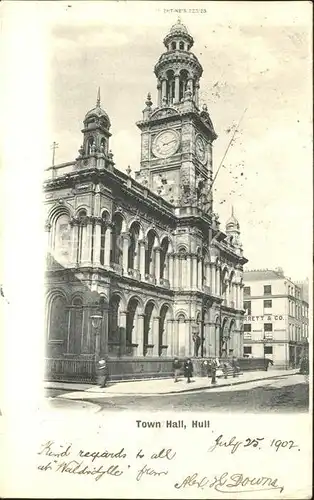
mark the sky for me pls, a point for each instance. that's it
(255, 56)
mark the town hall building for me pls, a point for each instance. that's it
(138, 269)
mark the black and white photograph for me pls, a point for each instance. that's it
(175, 207)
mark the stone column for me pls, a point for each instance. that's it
(107, 246)
(170, 273)
(122, 329)
(188, 338)
(104, 334)
(139, 334)
(141, 247)
(176, 88)
(170, 337)
(188, 271)
(137, 256)
(176, 271)
(197, 89)
(74, 242)
(163, 89)
(97, 241)
(157, 264)
(207, 340)
(190, 84)
(200, 273)
(159, 94)
(218, 281)
(212, 270)
(194, 272)
(86, 243)
(125, 252)
(241, 305)
(155, 335)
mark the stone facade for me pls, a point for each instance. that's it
(146, 255)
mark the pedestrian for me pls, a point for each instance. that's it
(188, 370)
(207, 368)
(235, 367)
(213, 370)
(103, 372)
(176, 365)
(197, 343)
(225, 370)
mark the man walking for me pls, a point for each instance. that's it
(188, 370)
(176, 365)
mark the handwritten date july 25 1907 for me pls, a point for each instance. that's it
(233, 444)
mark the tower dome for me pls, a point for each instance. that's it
(178, 27)
(98, 113)
(178, 33)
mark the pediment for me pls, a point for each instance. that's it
(163, 113)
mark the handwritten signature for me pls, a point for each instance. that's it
(226, 482)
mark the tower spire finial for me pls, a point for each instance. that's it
(98, 97)
(232, 211)
(179, 20)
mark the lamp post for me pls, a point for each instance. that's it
(96, 320)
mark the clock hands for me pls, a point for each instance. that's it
(169, 142)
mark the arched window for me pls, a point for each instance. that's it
(103, 145)
(173, 46)
(62, 238)
(82, 220)
(90, 143)
(58, 319)
(181, 45)
(76, 326)
(103, 237)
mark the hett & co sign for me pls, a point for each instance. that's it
(267, 317)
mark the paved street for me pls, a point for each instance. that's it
(284, 394)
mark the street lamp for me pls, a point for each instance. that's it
(96, 320)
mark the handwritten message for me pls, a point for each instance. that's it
(161, 463)
(65, 458)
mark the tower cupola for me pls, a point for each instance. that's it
(233, 229)
(96, 131)
(178, 69)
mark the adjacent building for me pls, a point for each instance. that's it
(276, 322)
(138, 267)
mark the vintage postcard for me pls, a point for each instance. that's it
(156, 249)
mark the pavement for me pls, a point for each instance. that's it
(153, 387)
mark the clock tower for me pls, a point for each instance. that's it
(176, 135)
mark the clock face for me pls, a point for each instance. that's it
(200, 149)
(165, 144)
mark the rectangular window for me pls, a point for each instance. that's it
(247, 290)
(247, 307)
(267, 289)
(247, 349)
(247, 328)
(268, 349)
(268, 304)
(268, 327)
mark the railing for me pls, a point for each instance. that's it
(81, 370)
